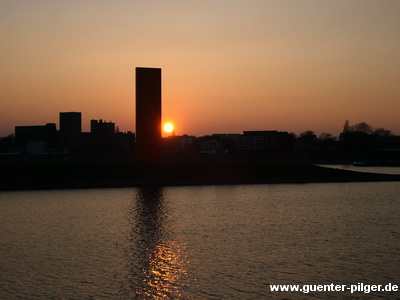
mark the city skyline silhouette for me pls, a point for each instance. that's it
(360, 142)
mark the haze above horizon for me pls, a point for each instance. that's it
(227, 66)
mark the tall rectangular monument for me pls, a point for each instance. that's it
(148, 114)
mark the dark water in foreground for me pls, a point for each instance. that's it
(209, 242)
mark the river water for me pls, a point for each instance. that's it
(210, 242)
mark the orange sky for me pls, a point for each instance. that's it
(228, 65)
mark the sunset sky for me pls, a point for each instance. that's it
(227, 65)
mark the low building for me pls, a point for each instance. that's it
(100, 128)
(183, 143)
(266, 140)
(36, 139)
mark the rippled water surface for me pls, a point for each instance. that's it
(198, 242)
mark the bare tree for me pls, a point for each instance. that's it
(326, 137)
(383, 132)
(362, 128)
(307, 133)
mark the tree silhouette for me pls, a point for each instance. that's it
(346, 127)
(7, 143)
(326, 137)
(383, 132)
(308, 133)
(362, 127)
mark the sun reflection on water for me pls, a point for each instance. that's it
(157, 262)
(165, 273)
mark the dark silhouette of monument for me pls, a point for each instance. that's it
(148, 114)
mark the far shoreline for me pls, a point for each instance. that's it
(50, 175)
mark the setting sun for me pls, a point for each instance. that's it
(168, 127)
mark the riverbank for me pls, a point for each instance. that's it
(34, 175)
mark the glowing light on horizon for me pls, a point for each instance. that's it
(168, 127)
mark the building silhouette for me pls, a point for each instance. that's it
(70, 130)
(148, 114)
(36, 139)
(102, 128)
(102, 138)
(266, 140)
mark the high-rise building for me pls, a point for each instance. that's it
(148, 114)
(70, 130)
